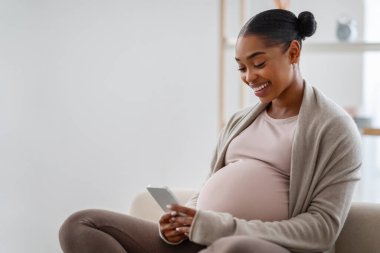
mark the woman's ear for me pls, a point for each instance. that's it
(294, 51)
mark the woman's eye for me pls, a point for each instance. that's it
(260, 65)
(241, 69)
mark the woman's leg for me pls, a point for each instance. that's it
(243, 244)
(100, 231)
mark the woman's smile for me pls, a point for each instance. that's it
(260, 89)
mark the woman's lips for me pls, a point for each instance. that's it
(260, 90)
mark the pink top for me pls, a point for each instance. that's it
(254, 184)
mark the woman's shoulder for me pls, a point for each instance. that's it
(320, 110)
(329, 108)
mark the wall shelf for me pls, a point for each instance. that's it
(341, 47)
(371, 131)
(336, 47)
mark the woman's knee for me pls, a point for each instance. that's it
(71, 227)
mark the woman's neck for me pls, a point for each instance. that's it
(290, 102)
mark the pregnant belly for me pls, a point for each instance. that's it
(247, 190)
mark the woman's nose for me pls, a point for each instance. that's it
(250, 76)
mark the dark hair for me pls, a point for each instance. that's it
(279, 26)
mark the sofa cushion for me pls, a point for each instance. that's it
(360, 233)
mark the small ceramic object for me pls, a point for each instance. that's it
(346, 29)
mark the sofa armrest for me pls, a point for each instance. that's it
(360, 232)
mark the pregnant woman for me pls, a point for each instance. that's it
(282, 176)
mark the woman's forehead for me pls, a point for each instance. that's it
(251, 45)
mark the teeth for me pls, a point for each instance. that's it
(261, 87)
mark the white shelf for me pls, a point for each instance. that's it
(336, 47)
(341, 47)
(371, 131)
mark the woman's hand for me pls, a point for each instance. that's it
(175, 225)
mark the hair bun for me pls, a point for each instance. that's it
(306, 24)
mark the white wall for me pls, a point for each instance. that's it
(97, 100)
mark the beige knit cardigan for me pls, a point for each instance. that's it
(325, 162)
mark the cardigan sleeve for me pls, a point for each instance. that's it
(337, 164)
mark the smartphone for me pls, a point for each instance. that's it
(162, 195)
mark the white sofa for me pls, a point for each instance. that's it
(360, 234)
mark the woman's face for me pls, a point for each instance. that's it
(267, 70)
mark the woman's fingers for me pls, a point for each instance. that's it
(176, 238)
(179, 222)
(165, 218)
(169, 226)
(173, 233)
(175, 225)
(182, 210)
(183, 230)
(180, 231)
(184, 220)
(170, 232)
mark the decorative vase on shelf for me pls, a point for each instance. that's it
(346, 29)
(282, 4)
